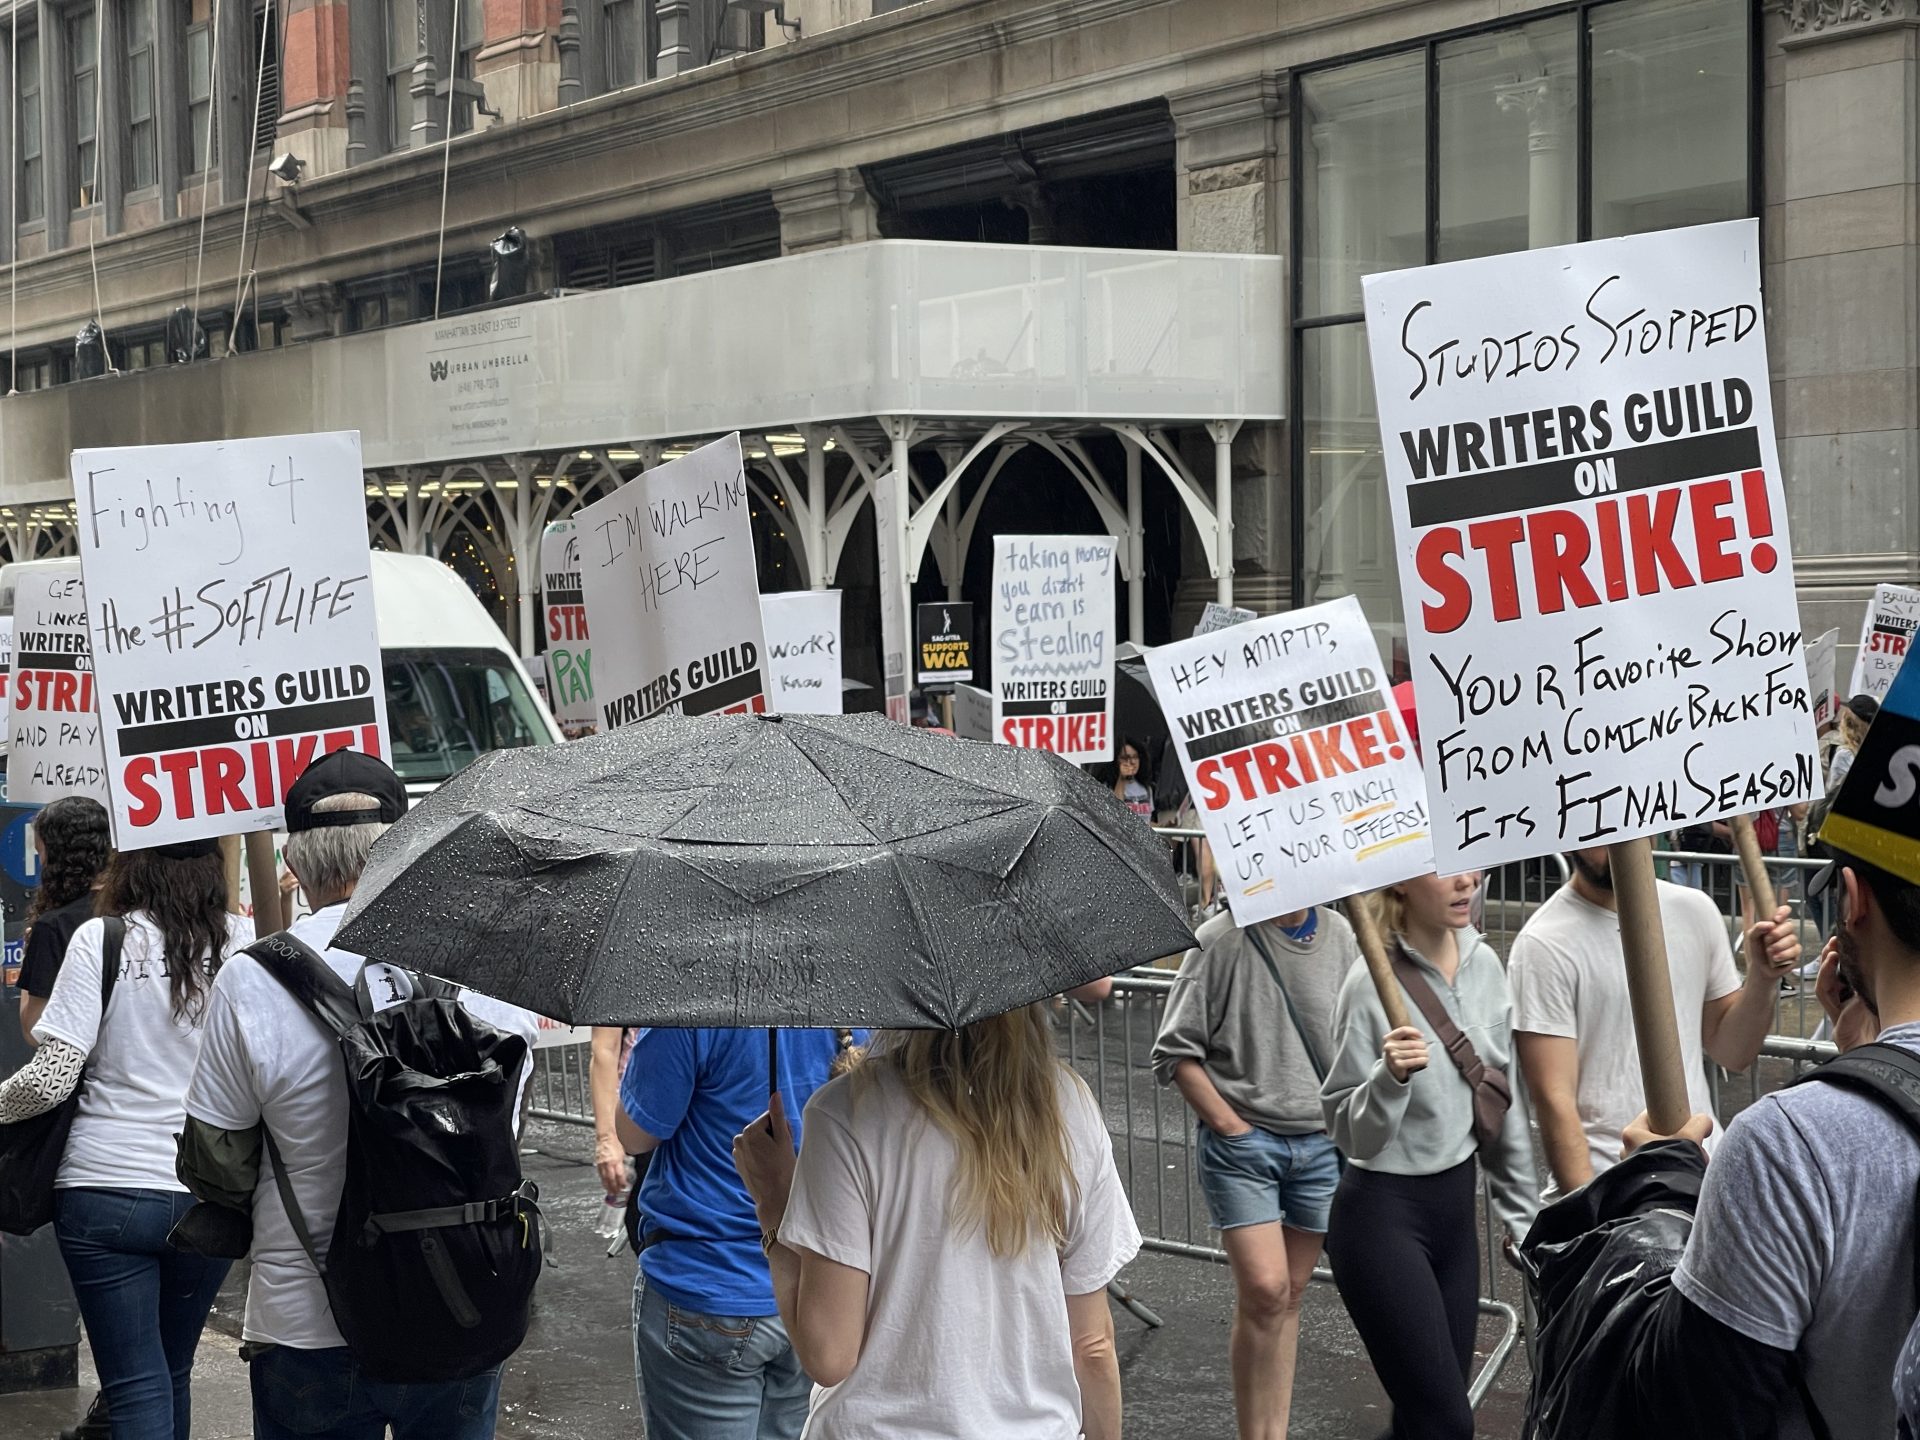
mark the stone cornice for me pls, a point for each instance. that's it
(1811, 21)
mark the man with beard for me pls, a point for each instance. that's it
(1796, 1287)
(1573, 1022)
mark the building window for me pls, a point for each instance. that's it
(202, 140)
(26, 119)
(472, 35)
(34, 374)
(403, 48)
(622, 43)
(83, 62)
(143, 137)
(146, 354)
(266, 56)
(1532, 143)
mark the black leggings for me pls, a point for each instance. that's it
(1406, 1260)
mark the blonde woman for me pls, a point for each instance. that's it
(1402, 1238)
(941, 1248)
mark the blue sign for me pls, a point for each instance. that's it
(17, 856)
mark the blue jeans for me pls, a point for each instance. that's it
(144, 1303)
(323, 1395)
(715, 1377)
(1259, 1177)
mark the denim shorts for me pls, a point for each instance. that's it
(1260, 1177)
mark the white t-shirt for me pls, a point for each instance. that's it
(1569, 978)
(959, 1342)
(132, 1103)
(265, 1058)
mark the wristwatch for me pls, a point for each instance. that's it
(769, 1239)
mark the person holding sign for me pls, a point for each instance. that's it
(1410, 1107)
(1247, 1037)
(1575, 1024)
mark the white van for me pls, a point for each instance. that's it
(455, 689)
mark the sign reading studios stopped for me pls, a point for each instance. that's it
(1590, 522)
(53, 726)
(569, 652)
(1053, 642)
(672, 595)
(231, 605)
(1306, 785)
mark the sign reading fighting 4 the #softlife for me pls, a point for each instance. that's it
(1053, 640)
(1592, 541)
(230, 599)
(672, 594)
(1307, 787)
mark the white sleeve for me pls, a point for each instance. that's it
(1711, 928)
(224, 1092)
(829, 1209)
(1546, 989)
(73, 1009)
(1101, 1235)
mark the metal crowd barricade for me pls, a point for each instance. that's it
(1152, 1133)
(561, 1089)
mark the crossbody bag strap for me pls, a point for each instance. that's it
(283, 1182)
(1286, 997)
(1452, 1039)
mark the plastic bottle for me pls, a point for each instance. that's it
(613, 1210)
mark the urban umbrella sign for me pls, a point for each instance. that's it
(1588, 508)
(231, 602)
(672, 595)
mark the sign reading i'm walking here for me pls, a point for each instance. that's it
(1592, 541)
(672, 594)
(1307, 786)
(230, 597)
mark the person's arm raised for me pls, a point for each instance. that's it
(1733, 1027)
(1551, 1065)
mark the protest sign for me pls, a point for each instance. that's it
(1220, 617)
(229, 591)
(1885, 638)
(1592, 541)
(6, 671)
(569, 652)
(53, 726)
(1821, 653)
(1876, 815)
(1053, 640)
(972, 713)
(1293, 749)
(672, 594)
(803, 651)
(943, 634)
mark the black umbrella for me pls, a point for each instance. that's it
(780, 870)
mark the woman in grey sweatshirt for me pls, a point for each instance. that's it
(1402, 1238)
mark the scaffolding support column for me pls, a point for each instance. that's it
(819, 567)
(1136, 550)
(1222, 432)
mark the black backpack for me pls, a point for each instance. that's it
(436, 1246)
(1891, 1075)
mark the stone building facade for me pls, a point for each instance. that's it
(637, 140)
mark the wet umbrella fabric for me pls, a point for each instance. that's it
(748, 871)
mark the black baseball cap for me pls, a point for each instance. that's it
(1865, 708)
(345, 772)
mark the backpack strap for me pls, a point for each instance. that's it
(1891, 1075)
(284, 1184)
(1286, 997)
(111, 944)
(306, 977)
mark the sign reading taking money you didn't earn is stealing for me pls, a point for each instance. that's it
(230, 596)
(1591, 528)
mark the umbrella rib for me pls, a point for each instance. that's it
(943, 973)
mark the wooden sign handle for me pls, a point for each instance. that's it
(1650, 986)
(1754, 866)
(264, 880)
(1373, 948)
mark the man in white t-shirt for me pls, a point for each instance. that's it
(266, 1060)
(1573, 1020)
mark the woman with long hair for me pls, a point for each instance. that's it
(942, 1246)
(73, 839)
(1130, 778)
(1400, 1106)
(116, 1196)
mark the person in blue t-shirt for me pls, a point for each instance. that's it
(712, 1358)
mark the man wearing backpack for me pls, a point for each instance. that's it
(1797, 1286)
(270, 1072)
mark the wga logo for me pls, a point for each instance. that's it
(436, 370)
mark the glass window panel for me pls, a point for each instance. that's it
(402, 35)
(1349, 530)
(199, 63)
(139, 24)
(1508, 128)
(473, 24)
(1363, 177)
(1663, 70)
(622, 48)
